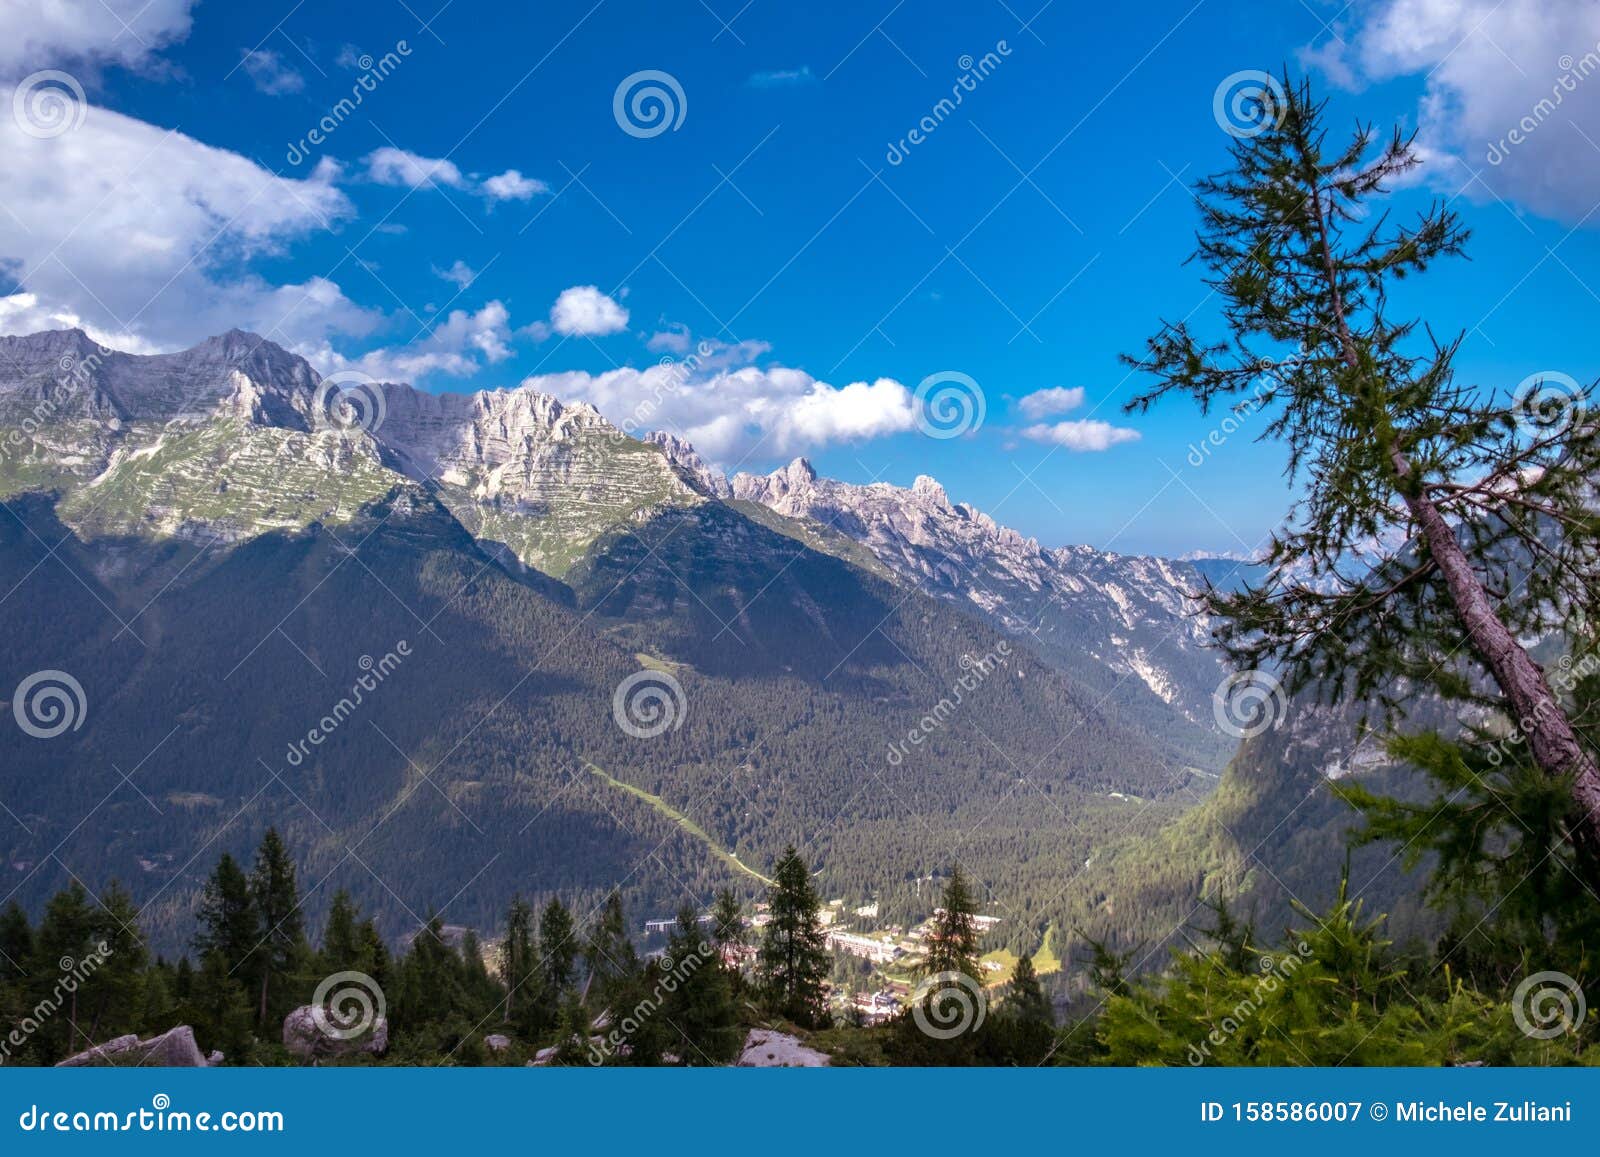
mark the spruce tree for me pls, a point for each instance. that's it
(609, 952)
(114, 995)
(1028, 1019)
(953, 938)
(277, 902)
(66, 933)
(517, 965)
(16, 943)
(794, 962)
(227, 924)
(558, 947)
(342, 950)
(700, 1004)
(1490, 500)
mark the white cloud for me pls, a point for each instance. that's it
(583, 311)
(25, 313)
(460, 274)
(271, 75)
(458, 346)
(391, 166)
(1512, 92)
(511, 185)
(146, 235)
(1082, 434)
(1056, 400)
(782, 77)
(731, 413)
(673, 338)
(63, 33)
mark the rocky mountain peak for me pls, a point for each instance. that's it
(689, 463)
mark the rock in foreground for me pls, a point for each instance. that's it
(175, 1048)
(764, 1049)
(305, 1039)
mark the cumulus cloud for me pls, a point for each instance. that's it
(583, 311)
(147, 236)
(64, 33)
(392, 166)
(511, 185)
(1512, 92)
(730, 413)
(458, 346)
(1057, 400)
(460, 274)
(672, 338)
(271, 75)
(1081, 434)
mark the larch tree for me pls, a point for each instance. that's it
(1439, 526)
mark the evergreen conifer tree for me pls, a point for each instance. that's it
(794, 963)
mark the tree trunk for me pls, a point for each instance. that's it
(1539, 716)
(1554, 744)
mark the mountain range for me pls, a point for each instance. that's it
(219, 546)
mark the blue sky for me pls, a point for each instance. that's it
(1036, 233)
